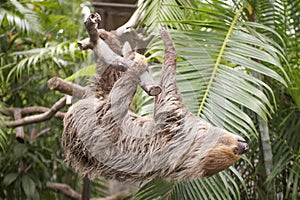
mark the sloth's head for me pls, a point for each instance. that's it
(224, 150)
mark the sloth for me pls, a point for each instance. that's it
(102, 137)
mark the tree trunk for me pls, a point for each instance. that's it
(86, 190)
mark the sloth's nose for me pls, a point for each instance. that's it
(242, 146)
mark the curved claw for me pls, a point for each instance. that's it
(94, 18)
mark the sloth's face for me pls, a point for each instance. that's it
(227, 150)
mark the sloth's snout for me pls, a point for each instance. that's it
(242, 146)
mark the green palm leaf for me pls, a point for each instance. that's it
(85, 71)
(216, 66)
(221, 79)
(155, 13)
(56, 56)
(283, 17)
(286, 160)
(3, 137)
(221, 186)
(155, 189)
(22, 17)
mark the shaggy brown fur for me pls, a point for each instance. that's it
(103, 138)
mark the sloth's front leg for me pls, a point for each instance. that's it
(123, 91)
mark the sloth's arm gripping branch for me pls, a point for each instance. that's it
(103, 52)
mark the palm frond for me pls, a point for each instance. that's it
(156, 13)
(85, 71)
(100, 188)
(155, 189)
(215, 66)
(3, 138)
(3, 130)
(221, 186)
(60, 55)
(22, 17)
(283, 17)
(286, 144)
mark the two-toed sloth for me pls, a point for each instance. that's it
(103, 138)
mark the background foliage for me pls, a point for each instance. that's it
(238, 67)
(37, 42)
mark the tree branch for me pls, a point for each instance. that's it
(103, 52)
(34, 134)
(66, 87)
(86, 189)
(70, 192)
(30, 110)
(39, 117)
(65, 189)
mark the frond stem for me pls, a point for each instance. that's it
(219, 59)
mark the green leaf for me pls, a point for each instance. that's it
(20, 150)
(85, 71)
(220, 64)
(3, 138)
(9, 178)
(217, 68)
(218, 60)
(155, 189)
(155, 13)
(22, 17)
(62, 55)
(28, 186)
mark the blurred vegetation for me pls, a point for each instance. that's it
(37, 42)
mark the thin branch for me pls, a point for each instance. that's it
(28, 168)
(31, 110)
(70, 192)
(39, 117)
(66, 87)
(34, 135)
(65, 189)
(148, 84)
